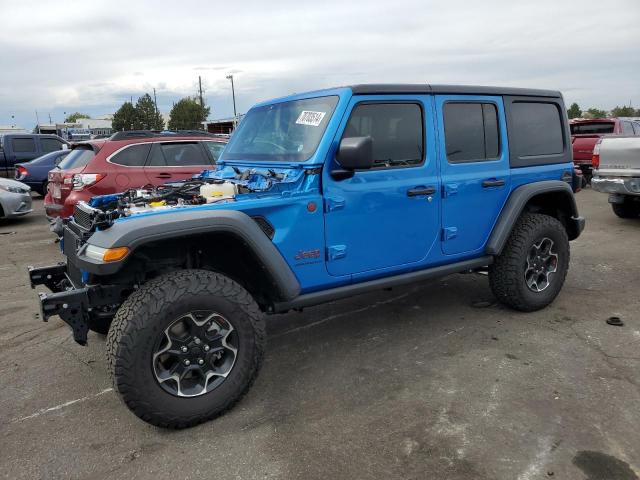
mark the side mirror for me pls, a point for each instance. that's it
(65, 146)
(355, 153)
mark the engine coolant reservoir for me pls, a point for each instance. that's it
(213, 191)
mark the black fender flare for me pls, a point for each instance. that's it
(516, 204)
(135, 232)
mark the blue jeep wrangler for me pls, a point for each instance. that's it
(317, 197)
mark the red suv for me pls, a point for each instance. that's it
(127, 160)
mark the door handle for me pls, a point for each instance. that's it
(494, 182)
(414, 192)
(163, 175)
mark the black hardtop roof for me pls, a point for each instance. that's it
(425, 88)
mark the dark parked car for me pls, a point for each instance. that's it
(24, 147)
(35, 173)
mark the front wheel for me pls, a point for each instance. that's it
(185, 347)
(532, 267)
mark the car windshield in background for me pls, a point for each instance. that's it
(289, 131)
(78, 157)
(592, 127)
(46, 158)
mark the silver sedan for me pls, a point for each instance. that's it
(15, 198)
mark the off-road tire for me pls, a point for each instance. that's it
(147, 313)
(628, 209)
(507, 273)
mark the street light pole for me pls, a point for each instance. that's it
(233, 93)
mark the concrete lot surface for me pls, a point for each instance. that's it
(430, 381)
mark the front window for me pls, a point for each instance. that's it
(289, 131)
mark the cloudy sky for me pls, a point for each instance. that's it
(62, 56)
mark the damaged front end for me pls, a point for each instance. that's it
(80, 304)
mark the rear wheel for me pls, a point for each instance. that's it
(532, 267)
(185, 347)
(627, 209)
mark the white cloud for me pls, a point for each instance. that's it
(92, 56)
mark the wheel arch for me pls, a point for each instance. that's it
(551, 197)
(225, 241)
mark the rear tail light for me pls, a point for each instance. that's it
(595, 159)
(21, 172)
(83, 180)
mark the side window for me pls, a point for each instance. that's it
(627, 128)
(133, 156)
(471, 131)
(535, 129)
(636, 127)
(22, 145)
(183, 154)
(50, 145)
(215, 149)
(396, 129)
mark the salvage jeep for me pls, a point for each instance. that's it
(317, 197)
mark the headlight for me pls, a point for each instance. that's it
(106, 254)
(12, 189)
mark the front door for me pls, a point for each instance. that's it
(385, 218)
(474, 161)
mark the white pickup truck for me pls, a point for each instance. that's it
(616, 163)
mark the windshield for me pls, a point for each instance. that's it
(49, 157)
(79, 157)
(289, 131)
(592, 127)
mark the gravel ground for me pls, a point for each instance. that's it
(431, 380)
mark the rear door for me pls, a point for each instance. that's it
(24, 149)
(173, 161)
(475, 170)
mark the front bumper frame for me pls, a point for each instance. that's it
(72, 304)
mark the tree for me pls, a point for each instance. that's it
(124, 118)
(73, 117)
(596, 113)
(187, 115)
(574, 111)
(147, 117)
(623, 112)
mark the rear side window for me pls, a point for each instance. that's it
(627, 128)
(396, 130)
(78, 157)
(21, 145)
(50, 145)
(215, 149)
(536, 129)
(591, 128)
(183, 154)
(132, 156)
(471, 131)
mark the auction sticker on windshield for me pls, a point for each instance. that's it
(310, 118)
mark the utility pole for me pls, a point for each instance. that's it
(49, 119)
(38, 121)
(200, 88)
(233, 93)
(155, 102)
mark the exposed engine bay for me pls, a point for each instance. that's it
(101, 211)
